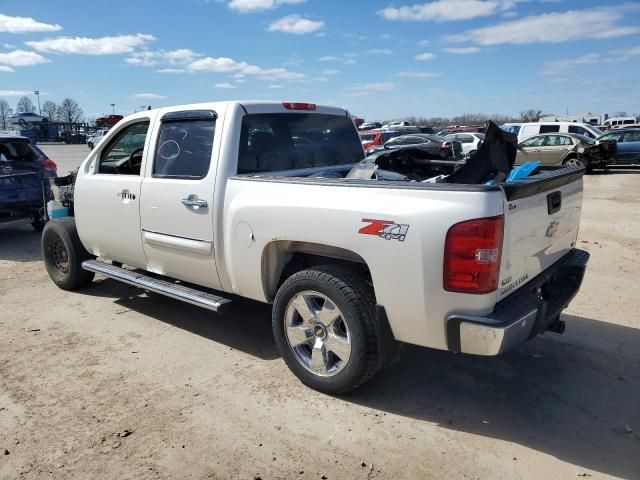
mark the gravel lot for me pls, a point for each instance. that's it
(110, 379)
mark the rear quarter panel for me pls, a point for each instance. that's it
(407, 274)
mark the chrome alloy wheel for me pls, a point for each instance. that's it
(317, 333)
(574, 162)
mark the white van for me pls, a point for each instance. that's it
(530, 129)
(620, 122)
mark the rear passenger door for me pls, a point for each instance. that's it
(176, 206)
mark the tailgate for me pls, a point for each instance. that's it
(542, 217)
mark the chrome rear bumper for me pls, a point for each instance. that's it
(524, 314)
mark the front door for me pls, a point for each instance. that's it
(529, 150)
(176, 206)
(108, 197)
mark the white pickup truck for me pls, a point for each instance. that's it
(256, 199)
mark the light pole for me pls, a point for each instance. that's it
(113, 108)
(37, 94)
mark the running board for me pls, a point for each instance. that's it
(173, 290)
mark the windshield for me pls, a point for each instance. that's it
(585, 139)
(596, 130)
(286, 141)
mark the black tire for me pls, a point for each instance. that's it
(355, 299)
(63, 254)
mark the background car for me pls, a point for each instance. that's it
(94, 138)
(26, 117)
(108, 121)
(628, 141)
(23, 169)
(470, 141)
(440, 146)
(369, 125)
(377, 137)
(566, 149)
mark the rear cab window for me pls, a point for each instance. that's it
(286, 141)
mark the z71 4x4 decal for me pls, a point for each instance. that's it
(387, 229)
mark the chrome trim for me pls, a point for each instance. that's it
(486, 339)
(172, 290)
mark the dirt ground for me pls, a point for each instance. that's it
(110, 381)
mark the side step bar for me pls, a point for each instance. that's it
(173, 290)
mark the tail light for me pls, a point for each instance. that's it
(49, 164)
(472, 254)
(299, 106)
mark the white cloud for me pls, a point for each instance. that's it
(171, 70)
(296, 25)
(152, 58)
(228, 65)
(556, 27)
(330, 71)
(8, 45)
(25, 24)
(248, 6)
(462, 50)
(14, 93)
(224, 85)
(424, 43)
(275, 86)
(329, 58)
(425, 56)
(92, 46)
(379, 51)
(445, 10)
(362, 89)
(564, 66)
(22, 58)
(148, 96)
(4, 68)
(411, 74)
(624, 55)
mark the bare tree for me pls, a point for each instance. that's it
(25, 105)
(50, 110)
(69, 111)
(621, 114)
(531, 115)
(5, 112)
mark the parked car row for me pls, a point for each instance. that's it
(558, 143)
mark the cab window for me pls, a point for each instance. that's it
(123, 155)
(184, 146)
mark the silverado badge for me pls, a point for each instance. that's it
(552, 229)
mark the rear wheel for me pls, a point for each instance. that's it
(573, 162)
(63, 254)
(325, 328)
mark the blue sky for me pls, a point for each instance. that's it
(381, 59)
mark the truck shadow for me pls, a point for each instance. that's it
(244, 325)
(573, 397)
(19, 243)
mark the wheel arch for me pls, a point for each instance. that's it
(283, 258)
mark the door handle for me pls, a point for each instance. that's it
(194, 202)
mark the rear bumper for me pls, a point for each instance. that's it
(522, 315)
